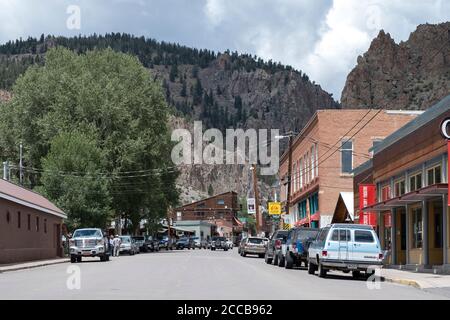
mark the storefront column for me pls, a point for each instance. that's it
(425, 240)
(394, 236)
(408, 236)
(445, 229)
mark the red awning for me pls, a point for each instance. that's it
(237, 222)
(305, 221)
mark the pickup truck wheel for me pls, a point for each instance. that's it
(102, 258)
(226, 249)
(289, 263)
(311, 268)
(321, 271)
(356, 274)
(73, 259)
(79, 259)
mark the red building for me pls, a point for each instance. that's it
(30, 225)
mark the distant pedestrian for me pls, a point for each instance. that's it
(111, 245)
(117, 243)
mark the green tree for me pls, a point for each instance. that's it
(82, 191)
(210, 191)
(112, 97)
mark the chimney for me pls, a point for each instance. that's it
(5, 170)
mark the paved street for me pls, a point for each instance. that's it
(199, 274)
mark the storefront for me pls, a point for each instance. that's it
(410, 175)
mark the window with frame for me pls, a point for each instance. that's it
(434, 175)
(341, 235)
(297, 175)
(29, 222)
(294, 181)
(316, 148)
(37, 224)
(415, 182)
(385, 193)
(364, 236)
(301, 173)
(347, 156)
(399, 188)
(19, 220)
(313, 163)
(417, 227)
(305, 161)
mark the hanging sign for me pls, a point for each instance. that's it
(251, 208)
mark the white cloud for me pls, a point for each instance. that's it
(322, 38)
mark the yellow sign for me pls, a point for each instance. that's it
(274, 207)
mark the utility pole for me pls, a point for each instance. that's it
(255, 189)
(5, 170)
(288, 196)
(21, 164)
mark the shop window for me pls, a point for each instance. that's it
(45, 225)
(316, 148)
(220, 202)
(313, 162)
(434, 175)
(415, 182)
(347, 156)
(29, 222)
(37, 224)
(417, 228)
(399, 188)
(19, 220)
(385, 193)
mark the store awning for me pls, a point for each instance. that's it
(344, 208)
(435, 190)
(305, 221)
(179, 229)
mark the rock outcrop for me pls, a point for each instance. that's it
(413, 74)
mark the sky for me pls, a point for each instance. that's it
(323, 38)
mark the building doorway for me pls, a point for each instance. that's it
(401, 236)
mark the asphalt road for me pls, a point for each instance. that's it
(191, 274)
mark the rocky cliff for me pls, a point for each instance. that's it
(413, 74)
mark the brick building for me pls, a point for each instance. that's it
(220, 210)
(30, 225)
(324, 154)
(409, 179)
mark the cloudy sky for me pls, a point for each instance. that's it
(321, 37)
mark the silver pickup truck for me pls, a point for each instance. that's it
(88, 242)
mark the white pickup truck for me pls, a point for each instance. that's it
(88, 242)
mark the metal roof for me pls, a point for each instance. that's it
(421, 120)
(25, 197)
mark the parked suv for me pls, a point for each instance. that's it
(88, 243)
(219, 243)
(274, 246)
(152, 243)
(297, 244)
(254, 245)
(345, 247)
(183, 243)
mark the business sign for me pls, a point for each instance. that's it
(388, 220)
(274, 208)
(251, 208)
(367, 197)
(445, 132)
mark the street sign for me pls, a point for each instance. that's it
(251, 208)
(274, 208)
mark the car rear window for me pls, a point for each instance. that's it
(307, 234)
(281, 234)
(255, 240)
(340, 235)
(364, 236)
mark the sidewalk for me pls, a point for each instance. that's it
(31, 264)
(418, 280)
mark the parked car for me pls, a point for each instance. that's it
(128, 245)
(152, 243)
(230, 244)
(204, 244)
(183, 243)
(140, 243)
(297, 244)
(89, 242)
(254, 245)
(345, 247)
(219, 243)
(274, 246)
(167, 243)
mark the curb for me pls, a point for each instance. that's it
(24, 267)
(411, 283)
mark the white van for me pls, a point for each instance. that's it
(345, 247)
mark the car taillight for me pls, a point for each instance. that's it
(324, 253)
(277, 243)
